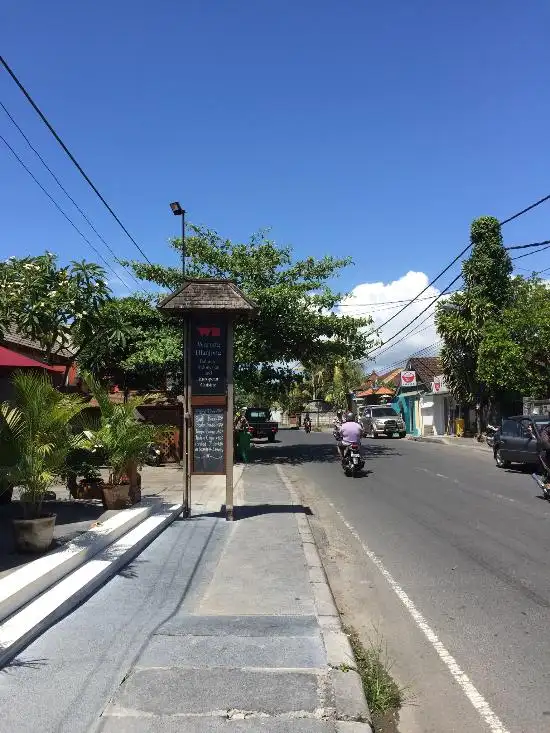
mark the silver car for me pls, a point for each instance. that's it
(382, 420)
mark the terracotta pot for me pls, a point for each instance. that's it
(33, 535)
(116, 497)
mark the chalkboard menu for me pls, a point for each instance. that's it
(209, 444)
(209, 356)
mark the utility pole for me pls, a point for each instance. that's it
(177, 210)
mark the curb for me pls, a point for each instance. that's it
(48, 607)
(480, 447)
(351, 707)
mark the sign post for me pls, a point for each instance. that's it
(209, 308)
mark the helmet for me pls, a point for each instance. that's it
(350, 417)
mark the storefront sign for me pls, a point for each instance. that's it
(439, 385)
(208, 356)
(408, 379)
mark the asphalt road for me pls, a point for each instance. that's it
(469, 545)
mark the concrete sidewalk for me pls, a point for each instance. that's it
(468, 443)
(257, 644)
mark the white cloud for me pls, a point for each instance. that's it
(372, 299)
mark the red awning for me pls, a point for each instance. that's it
(13, 360)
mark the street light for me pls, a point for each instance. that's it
(178, 211)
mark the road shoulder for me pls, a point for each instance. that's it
(367, 604)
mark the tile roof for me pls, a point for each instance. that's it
(383, 391)
(208, 295)
(426, 368)
(11, 336)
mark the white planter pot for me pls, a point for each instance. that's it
(33, 535)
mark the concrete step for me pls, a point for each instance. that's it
(219, 725)
(216, 691)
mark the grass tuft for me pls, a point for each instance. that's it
(373, 664)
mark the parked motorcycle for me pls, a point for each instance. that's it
(542, 479)
(352, 462)
(491, 435)
(153, 457)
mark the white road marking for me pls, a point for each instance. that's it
(474, 696)
(440, 475)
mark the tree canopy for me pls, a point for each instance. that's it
(461, 319)
(57, 306)
(296, 321)
(514, 352)
(147, 352)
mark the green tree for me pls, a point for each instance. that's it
(515, 349)
(56, 306)
(146, 354)
(461, 319)
(295, 321)
(346, 377)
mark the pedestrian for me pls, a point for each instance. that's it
(242, 438)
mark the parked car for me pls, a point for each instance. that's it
(514, 443)
(260, 424)
(382, 420)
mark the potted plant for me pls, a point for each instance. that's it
(124, 438)
(83, 463)
(35, 438)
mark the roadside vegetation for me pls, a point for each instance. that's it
(384, 696)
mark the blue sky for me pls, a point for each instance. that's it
(372, 129)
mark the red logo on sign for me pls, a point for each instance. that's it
(213, 331)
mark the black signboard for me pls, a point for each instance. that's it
(209, 443)
(208, 356)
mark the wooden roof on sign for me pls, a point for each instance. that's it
(208, 295)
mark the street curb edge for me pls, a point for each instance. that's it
(350, 702)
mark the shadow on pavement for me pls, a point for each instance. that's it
(300, 453)
(257, 510)
(18, 662)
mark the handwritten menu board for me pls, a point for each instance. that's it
(209, 356)
(209, 444)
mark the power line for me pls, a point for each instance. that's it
(406, 336)
(56, 179)
(72, 158)
(376, 355)
(62, 212)
(434, 347)
(528, 254)
(524, 211)
(527, 246)
(386, 302)
(443, 292)
(460, 254)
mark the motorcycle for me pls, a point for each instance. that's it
(543, 481)
(307, 426)
(153, 457)
(491, 435)
(352, 462)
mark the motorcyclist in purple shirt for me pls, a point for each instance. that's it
(350, 432)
